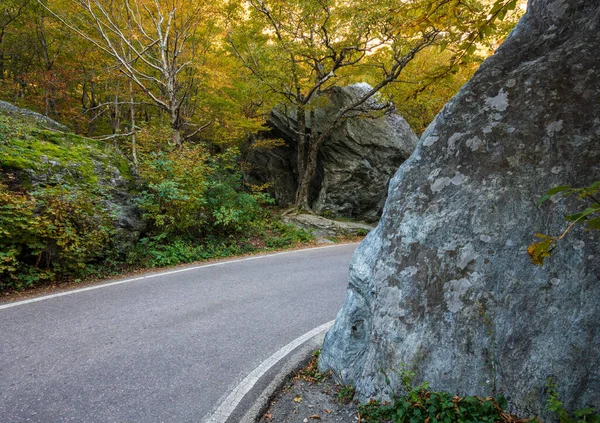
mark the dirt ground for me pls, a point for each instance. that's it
(311, 397)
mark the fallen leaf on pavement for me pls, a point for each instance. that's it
(315, 417)
(298, 399)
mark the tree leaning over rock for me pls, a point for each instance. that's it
(304, 48)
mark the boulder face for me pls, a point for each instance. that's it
(444, 285)
(355, 164)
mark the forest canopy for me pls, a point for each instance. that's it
(217, 67)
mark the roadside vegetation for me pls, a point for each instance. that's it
(311, 389)
(59, 208)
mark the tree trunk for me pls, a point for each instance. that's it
(302, 201)
(177, 137)
(301, 140)
(132, 118)
(2, 54)
(176, 126)
(115, 115)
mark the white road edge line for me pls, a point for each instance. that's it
(156, 275)
(228, 405)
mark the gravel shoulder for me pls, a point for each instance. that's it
(310, 396)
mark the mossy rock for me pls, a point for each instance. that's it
(45, 157)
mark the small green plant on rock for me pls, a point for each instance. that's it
(346, 393)
(584, 415)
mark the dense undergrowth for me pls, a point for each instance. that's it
(420, 404)
(62, 198)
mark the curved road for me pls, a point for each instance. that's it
(163, 348)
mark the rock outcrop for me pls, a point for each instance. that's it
(444, 285)
(12, 110)
(41, 158)
(355, 164)
(323, 228)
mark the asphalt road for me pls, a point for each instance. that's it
(164, 349)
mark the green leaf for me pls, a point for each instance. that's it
(584, 412)
(594, 223)
(502, 14)
(558, 189)
(581, 215)
(538, 251)
(502, 402)
(543, 199)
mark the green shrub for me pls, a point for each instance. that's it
(158, 252)
(419, 404)
(50, 231)
(231, 208)
(189, 193)
(281, 235)
(173, 197)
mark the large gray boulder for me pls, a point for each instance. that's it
(355, 163)
(444, 285)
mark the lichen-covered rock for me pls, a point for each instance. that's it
(11, 109)
(444, 285)
(355, 164)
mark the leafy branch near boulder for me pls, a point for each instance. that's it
(588, 217)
